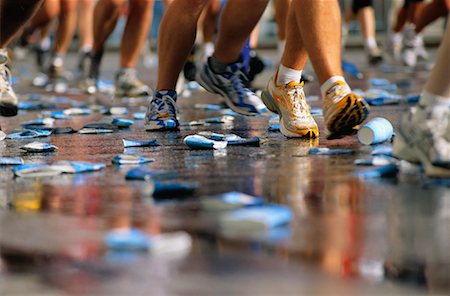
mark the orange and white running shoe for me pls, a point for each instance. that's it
(288, 101)
(342, 109)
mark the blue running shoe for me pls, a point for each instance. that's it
(232, 86)
(161, 113)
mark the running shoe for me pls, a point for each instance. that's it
(393, 46)
(8, 98)
(128, 85)
(161, 112)
(343, 110)
(412, 47)
(288, 101)
(424, 137)
(232, 85)
(374, 56)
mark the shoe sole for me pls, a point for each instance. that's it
(213, 89)
(408, 151)
(271, 105)
(352, 111)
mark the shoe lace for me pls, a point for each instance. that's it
(5, 79)
(240, 83)
(163, 107)
(297, 103)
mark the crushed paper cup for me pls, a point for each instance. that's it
(125, 159)
(38, 147)
(200, 142)
(127, 143)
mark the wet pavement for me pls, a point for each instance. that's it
(352, 236)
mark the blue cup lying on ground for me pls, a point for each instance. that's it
(376, 131)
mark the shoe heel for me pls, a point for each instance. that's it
(268, 101)
(401, 149)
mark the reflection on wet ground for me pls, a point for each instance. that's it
(348, 236)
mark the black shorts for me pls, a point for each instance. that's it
(358, 4)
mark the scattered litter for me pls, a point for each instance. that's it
(127, 240)
(58, 115)
(230, 201)
(146, 174)
(200, 142)
(91, 131)
(254, 219)
(213, 120)
(2, 135)
(134, 240)
(35, 170)
(33, 106)
(139, 115)
(274, 123)
(11, 161)
(63, 130)
(127, 143)
(327, 151)
(388, 170)
(40, 121)
(77, 111)
(382, 150)
(411, 99)
(173, 190)
(131, 159)
(121, 122)
(379, 82)
(75, 167)
(376, 131)
(231, 139)
(39, 147)
(117, 111)
(352, 70)
(229, 112)
(29, 134)
(375, 161)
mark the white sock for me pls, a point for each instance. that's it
(429, 99)
(396, 38)
(58, 60)
(86, 48)
(280, 47)
(45, 43)
(371, 43)
(329, 83)
(286, 75)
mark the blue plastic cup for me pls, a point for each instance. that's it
(376, 131)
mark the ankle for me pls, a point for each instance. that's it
(331, 82)
(286, 75)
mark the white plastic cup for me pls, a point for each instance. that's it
(376, 131)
